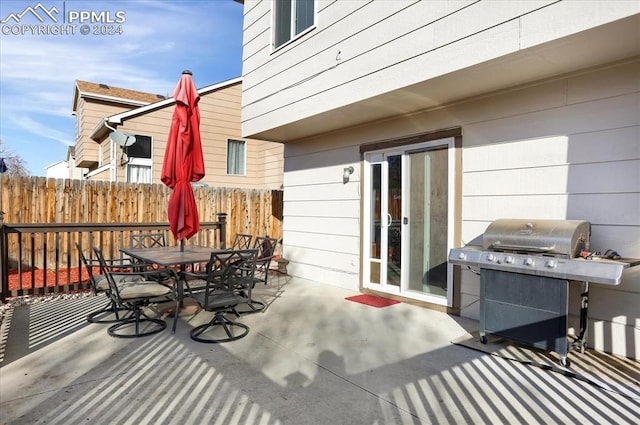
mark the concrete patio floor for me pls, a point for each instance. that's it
(311, 358)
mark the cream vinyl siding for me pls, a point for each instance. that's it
(321, 226)
(271, 155)
(556, 149)
(86, 151)
(219, 121)
(92, 112)
(360, 50)
(575, 154)
(547, 94)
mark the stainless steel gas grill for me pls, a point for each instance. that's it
(525, 269)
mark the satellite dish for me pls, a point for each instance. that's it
(122, 139)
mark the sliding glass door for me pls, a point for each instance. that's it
(428, 224)
(407, 231)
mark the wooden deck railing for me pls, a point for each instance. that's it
(38, 259)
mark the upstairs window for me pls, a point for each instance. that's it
(236, 157)
(139, 160)
(291, 17)
(141, 148)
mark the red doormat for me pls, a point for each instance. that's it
(372, 300)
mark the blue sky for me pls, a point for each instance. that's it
(159, 39)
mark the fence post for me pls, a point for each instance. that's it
(222, 219)
(4, 260)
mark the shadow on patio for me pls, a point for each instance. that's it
(310, 358)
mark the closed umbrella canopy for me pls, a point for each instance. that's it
(183, 161)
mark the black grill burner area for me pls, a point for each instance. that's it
(525, 269)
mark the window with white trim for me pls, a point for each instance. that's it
(291, 17)
(139, 160)
(236, 157)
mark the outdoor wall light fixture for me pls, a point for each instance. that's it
(346, 173)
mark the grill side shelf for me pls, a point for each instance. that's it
(602, 271)
(605, 272)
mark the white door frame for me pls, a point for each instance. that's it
(375, 157)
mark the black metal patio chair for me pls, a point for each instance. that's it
(133, 291)
(266, 248)
(228, 282)
(147, 240)
(110, 313)
(241, 241)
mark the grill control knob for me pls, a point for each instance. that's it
(528, 261)
(550, 264)
(491, 257)
(508, 259)
(462, 256)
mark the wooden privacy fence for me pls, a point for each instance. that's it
(26, 200)
(108, 212)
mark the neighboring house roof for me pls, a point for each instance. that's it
(113, 94)
(54, 164)
(101, 130)
(57, 170)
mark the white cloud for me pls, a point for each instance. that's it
(39, 129)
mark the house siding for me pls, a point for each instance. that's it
(219, 121)
(91, 114)
(384, 46)
(573, 155)
(544, 151)
(321, 226)
(85, 149)
(540, 144)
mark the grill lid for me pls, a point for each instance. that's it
(552, 237)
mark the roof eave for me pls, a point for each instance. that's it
(118, 119)
(100, 131)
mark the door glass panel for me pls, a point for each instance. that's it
(376, 214)
(394, 220)
(428, 224)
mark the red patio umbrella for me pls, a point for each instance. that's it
(183, 161)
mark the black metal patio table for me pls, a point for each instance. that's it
(172, 256)
(168, 256)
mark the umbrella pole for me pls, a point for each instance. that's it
(181, 245)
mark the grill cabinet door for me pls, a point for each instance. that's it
(525, 308)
